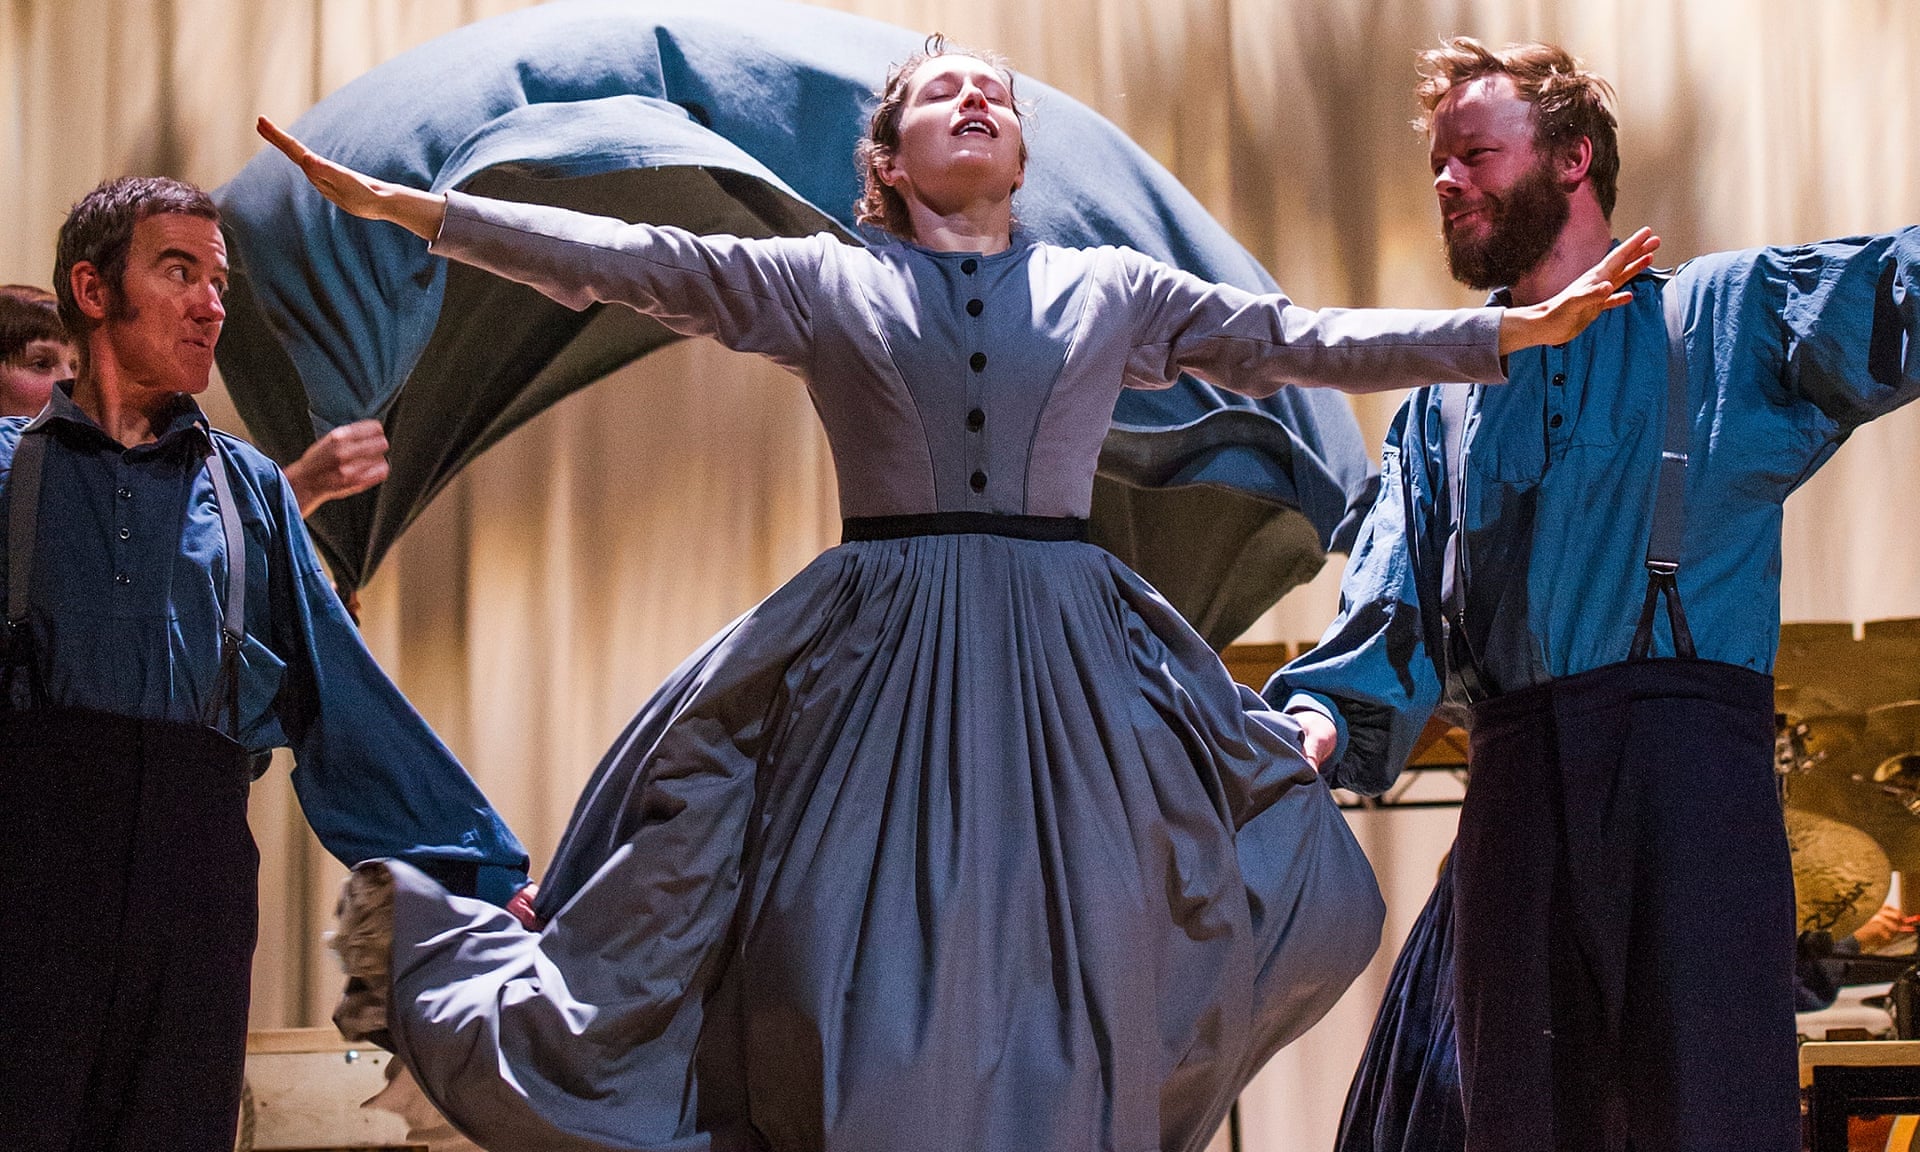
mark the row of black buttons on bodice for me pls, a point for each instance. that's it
(976, 418)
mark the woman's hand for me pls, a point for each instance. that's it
(1560, 319)
(420, 213)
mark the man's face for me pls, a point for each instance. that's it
(28, 379)
(960, 137)
(170, 311)
(1502, 206)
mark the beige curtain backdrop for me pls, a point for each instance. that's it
(535, 606)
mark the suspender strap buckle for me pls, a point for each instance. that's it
(226, 694)
(1662, 584)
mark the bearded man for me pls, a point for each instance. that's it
(1513, 572)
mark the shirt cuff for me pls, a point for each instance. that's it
(1488, 322)
(1314, 702)
(460, 211)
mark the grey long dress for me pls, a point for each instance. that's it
(957, 841)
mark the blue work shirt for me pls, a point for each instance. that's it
(1788, 351)
(129, 580)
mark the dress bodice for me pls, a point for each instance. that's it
(985, 402)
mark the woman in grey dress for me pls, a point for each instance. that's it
(962, 838)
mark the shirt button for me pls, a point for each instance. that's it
(1556, 421)
(122, 579)
(976, 420)
(978, 481)
(975, 307)
(126, 533)
(1559, 379)
(969, 265)
(979, 361)
(125, 493)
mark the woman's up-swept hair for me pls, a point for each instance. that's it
(879, 205)
(27, 314)
(1568, 101)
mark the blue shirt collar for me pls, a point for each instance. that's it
(187, 420)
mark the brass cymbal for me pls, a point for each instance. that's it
(1894, 729)
(1840, 876)
(1827, 745)
(1852, 709)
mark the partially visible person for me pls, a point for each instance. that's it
(1886, 929)
(1825, 965)
(1514, 570)
(167, 624)
(343, 461)
(36, 354)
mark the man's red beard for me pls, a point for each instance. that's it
(1521, 227)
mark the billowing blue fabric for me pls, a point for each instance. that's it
(125, 612)
(718, 117)
(1788, 349)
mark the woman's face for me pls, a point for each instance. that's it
(960, 139)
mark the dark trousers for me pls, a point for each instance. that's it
(125, 952)
(1624, 917)
(1405, 1096)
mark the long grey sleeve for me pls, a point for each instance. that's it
(1255, 345)
(751, 295)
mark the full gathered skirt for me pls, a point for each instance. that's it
(954, 841)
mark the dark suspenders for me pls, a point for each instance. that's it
(23, 524)
(29, 458)
(1670, 497)
(1456, 643)
(1664, 542)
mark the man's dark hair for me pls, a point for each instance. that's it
(27, 314)
(99, 231)
(1569, 102)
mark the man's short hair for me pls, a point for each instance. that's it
(27, 315)
(1568, 101)
(99, 231)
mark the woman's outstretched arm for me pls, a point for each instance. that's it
(753, 295)
(420, 213)
(1256, 345)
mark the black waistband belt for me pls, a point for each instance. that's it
(855, 528)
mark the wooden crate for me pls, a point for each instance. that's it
(305, 1090)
